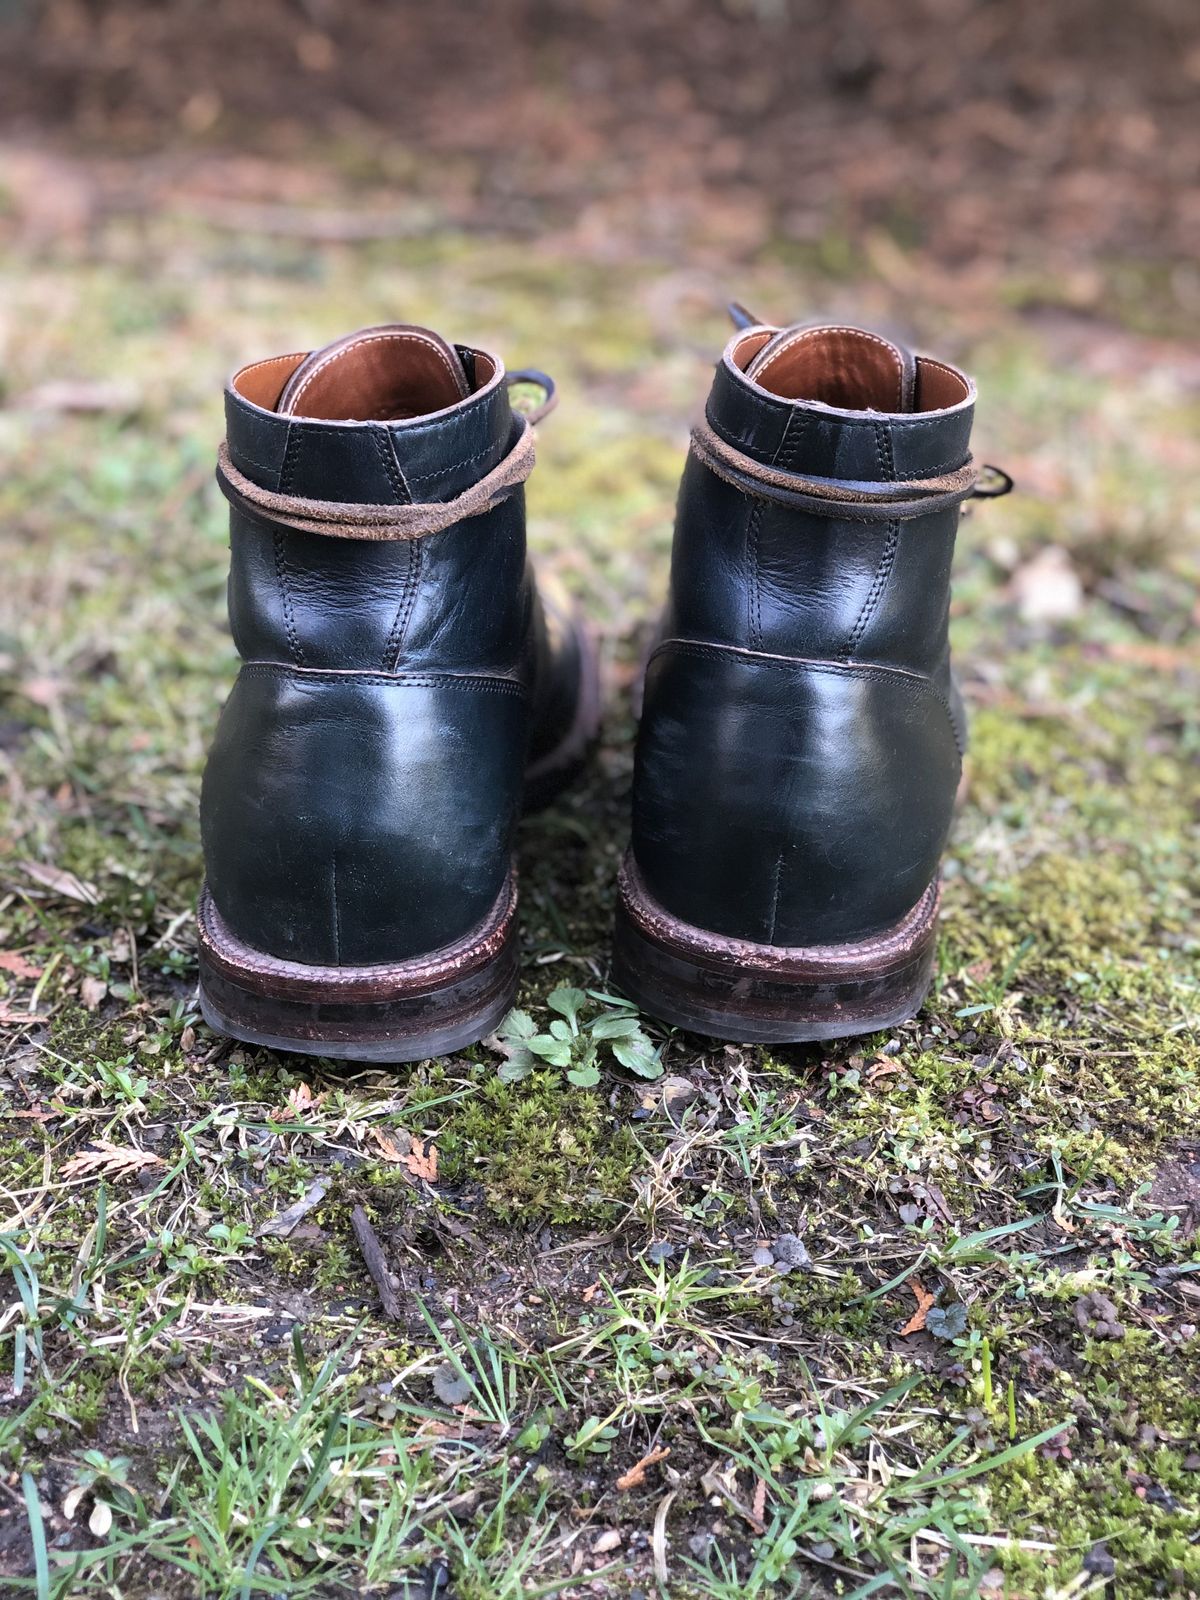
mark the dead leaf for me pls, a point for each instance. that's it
(12, 961)
(393, 1146)
(300, 1099)
(636, 1476)
(759, 1503)
(44, 692)
(61, 881)
(91, 992)
(11, 1017)
(884, 1067)
(422, 1162)
(924, 1300)
(101, 1519)
(110, 1161)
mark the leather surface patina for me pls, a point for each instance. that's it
(801, 738)
(360, 797)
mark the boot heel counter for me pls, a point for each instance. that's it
(355, 819)
(790, 802)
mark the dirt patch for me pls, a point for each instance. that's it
(1176, 1189)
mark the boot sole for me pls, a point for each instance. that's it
(753, 993)
(407, 1011)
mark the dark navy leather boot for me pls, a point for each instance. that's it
(404, 692)
(801, 737)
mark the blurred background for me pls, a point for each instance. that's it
(968, 134)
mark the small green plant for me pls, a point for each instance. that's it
(594, 1438)
(577, 1046)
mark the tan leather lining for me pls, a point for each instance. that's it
(847, 368)
(376, 375)
(745, 350)
(844, 367)
(938, 386)
(262, 383)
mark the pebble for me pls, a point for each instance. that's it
(790, 1251)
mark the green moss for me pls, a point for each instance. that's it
(540, 1149)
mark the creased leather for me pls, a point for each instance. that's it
(361, 819)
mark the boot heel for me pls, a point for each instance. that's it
(407, 1011)
(769, 994)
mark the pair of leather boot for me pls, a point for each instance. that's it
(406, 690)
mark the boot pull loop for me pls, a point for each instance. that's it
(993, 483)
(530, 377)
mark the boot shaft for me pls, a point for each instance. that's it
(453, 600)
(757, 573)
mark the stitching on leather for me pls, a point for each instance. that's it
(270, 361)
(753, 529)
(399, 629)
(914, 682)
(775, 899)
(464, 414)
(812, 333)
(951, 465)
(391, 467)
(291, 454)
(315, 427)
(263, 466)
(289, 616)
(919, 420)
(446, 680)
(337, 912)
(883, 446)
(375, 338)
(441, 472)
(928, 361)
(882, 573)
(755, 597)
(748, 439)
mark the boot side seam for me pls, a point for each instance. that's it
(915, 682)
(439, 680)
(282, 571)
(870, 605)
(399, 628)
(391, 467)
(753, 526)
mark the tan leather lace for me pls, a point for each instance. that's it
(339, 519)
(841, 498)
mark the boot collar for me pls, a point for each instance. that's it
(426, 458)
(831, 441)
